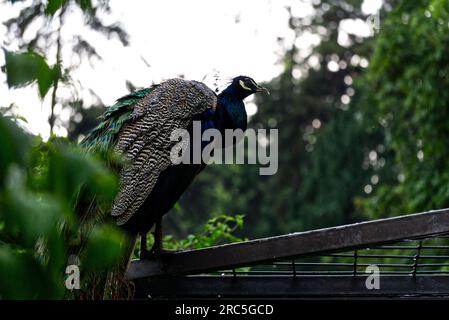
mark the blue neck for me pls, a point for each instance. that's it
(232, 103)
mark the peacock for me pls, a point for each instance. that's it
(139, 126)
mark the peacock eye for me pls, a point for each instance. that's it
(244, 86)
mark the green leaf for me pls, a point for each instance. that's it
(70, 169)
(27, 67)
(105, 247)
(46, 78)
(25, 278)
(15, 145)
(21, 68)
(85, 5)
(53, 6)
(27, 216)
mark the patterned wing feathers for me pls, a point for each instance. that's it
(145, 140)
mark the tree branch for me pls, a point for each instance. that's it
(52, 118)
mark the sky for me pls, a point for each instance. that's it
(169, 38)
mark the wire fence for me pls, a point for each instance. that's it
(410, 257)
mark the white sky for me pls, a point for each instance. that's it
(194, 38)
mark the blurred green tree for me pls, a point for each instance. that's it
(38, 227)
(408, 96)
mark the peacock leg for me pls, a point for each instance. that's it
(157, 246)
(144, 254)
(156, 250)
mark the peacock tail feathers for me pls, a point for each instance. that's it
(104, 136)
(92, 211)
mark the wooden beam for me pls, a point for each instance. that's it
(293, 245)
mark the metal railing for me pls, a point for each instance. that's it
(429, 256)
(355, 246)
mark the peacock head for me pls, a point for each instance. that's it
(244, 86)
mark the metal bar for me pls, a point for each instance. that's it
(294, 267)
(393, 248)
(415, 259)
(281, 287)
(325, 264)
(386, 265)
(354, 267)
(339, 264)
(283, 273)
(322, 272)
(432, 272)
(345, 237)
(408, 247)
(396, 256)
(256, 272)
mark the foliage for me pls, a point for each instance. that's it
(217, 230)
(408, 77)
(44, 185)
(38, 182)
(338, 170)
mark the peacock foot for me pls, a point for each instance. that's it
(153, 254)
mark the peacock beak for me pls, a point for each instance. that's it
(262, 89)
